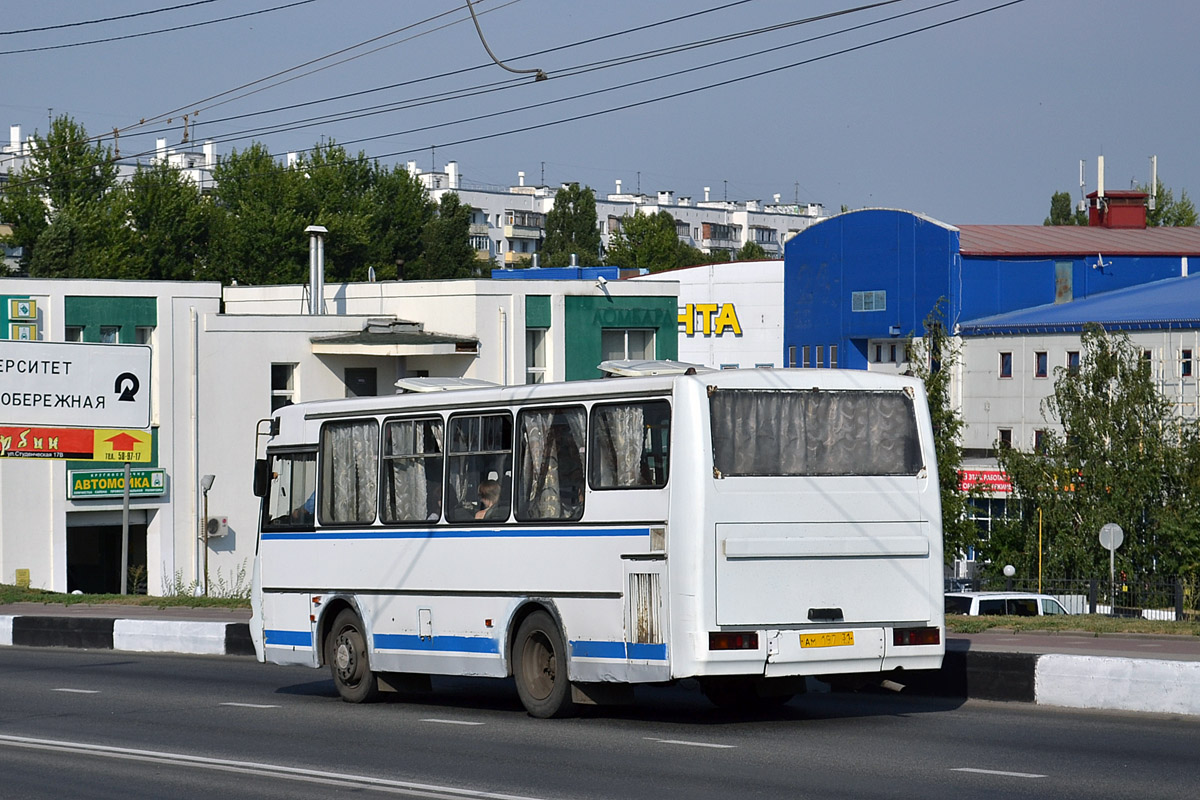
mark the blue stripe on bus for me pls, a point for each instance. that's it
(459, 533)
(288, 638)
(436, 644)
(621, 651)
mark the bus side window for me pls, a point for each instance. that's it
(479, 468)
(349, 471)
(630, 445)
(552, 452)
(412, 471)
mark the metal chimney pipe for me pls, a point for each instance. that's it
(1099, 176)
(574, 260)
(316, 269)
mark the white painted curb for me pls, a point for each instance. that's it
(169, 636)
(6, 631)
(1126, 684)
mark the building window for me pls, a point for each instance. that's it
(73, 333)
(1147, 362)
(833, 356)
(1073, 362)
(535, 355)
(618, 344)
(361, 382)
(1039, 440)
(729, 366)
(283, 388)
(868, 301)
(1006, 365)
(892, 353)
(144, 334)
(110, 334)
(1040, 364)
(1005, 438)
(792, 355)
(806, 356)
(1185, 364)
(878, 353)
(820, 361)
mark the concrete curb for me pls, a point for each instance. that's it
(1071, 681)
(136, 635)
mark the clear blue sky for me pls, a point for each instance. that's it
(977, 121)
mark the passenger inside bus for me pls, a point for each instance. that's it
(489, 496)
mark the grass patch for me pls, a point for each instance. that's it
(1088, 623)
(14, 594)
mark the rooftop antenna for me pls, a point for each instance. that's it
(1082, 186)
(1153, 183)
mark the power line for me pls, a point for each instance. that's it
(156, 32)
(106, 19)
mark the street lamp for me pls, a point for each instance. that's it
(206, 483)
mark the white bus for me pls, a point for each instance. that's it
(746, 528)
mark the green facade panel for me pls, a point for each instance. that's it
(588, 317)
(537, 311)
(127, 313)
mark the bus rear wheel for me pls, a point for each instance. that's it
(540, 668)
(346, 653)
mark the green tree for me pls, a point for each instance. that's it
(69, 176)
(1123, 456)
(646, 241)
(1167, 211)
(447, 245)
(571, 228)
(258, 232)
(168, 226)
(400, 210)
(751, 251)
(933, 357)
(1062, 211)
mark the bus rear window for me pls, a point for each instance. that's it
(813, 433)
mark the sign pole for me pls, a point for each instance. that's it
(125, 535)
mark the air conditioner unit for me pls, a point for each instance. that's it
(216, 527)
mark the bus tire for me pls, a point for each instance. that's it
(540, 668)
(346, 652)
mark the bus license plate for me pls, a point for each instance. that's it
(839, 639)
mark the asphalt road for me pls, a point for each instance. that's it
(91, 724)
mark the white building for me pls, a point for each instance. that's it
(730, 314)
(508, 223)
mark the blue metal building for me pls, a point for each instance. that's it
(857, 284)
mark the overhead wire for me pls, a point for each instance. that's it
(125, 36)
(107, 19)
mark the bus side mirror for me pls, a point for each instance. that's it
(262, 477)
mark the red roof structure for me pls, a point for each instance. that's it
(1071, 240)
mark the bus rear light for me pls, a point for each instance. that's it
(907, 636)
(732, 641)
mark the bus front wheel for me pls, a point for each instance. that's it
(540, 668)
(346, 652)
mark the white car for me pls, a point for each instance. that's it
(1016, 604)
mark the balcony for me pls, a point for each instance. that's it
(522, 232)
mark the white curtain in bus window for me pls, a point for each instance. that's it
(814, 433)
(349, 470)
(629, 445)
(293, 489)
(550, 473)
(412, 474)
(479, 468)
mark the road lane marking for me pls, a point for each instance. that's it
(692, 744)
(452, 721)
(339, 779)
(78, 691)
(997, 772)
(250, 705)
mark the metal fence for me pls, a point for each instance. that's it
(1170, 599)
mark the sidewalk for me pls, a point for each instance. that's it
(1126, 672)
